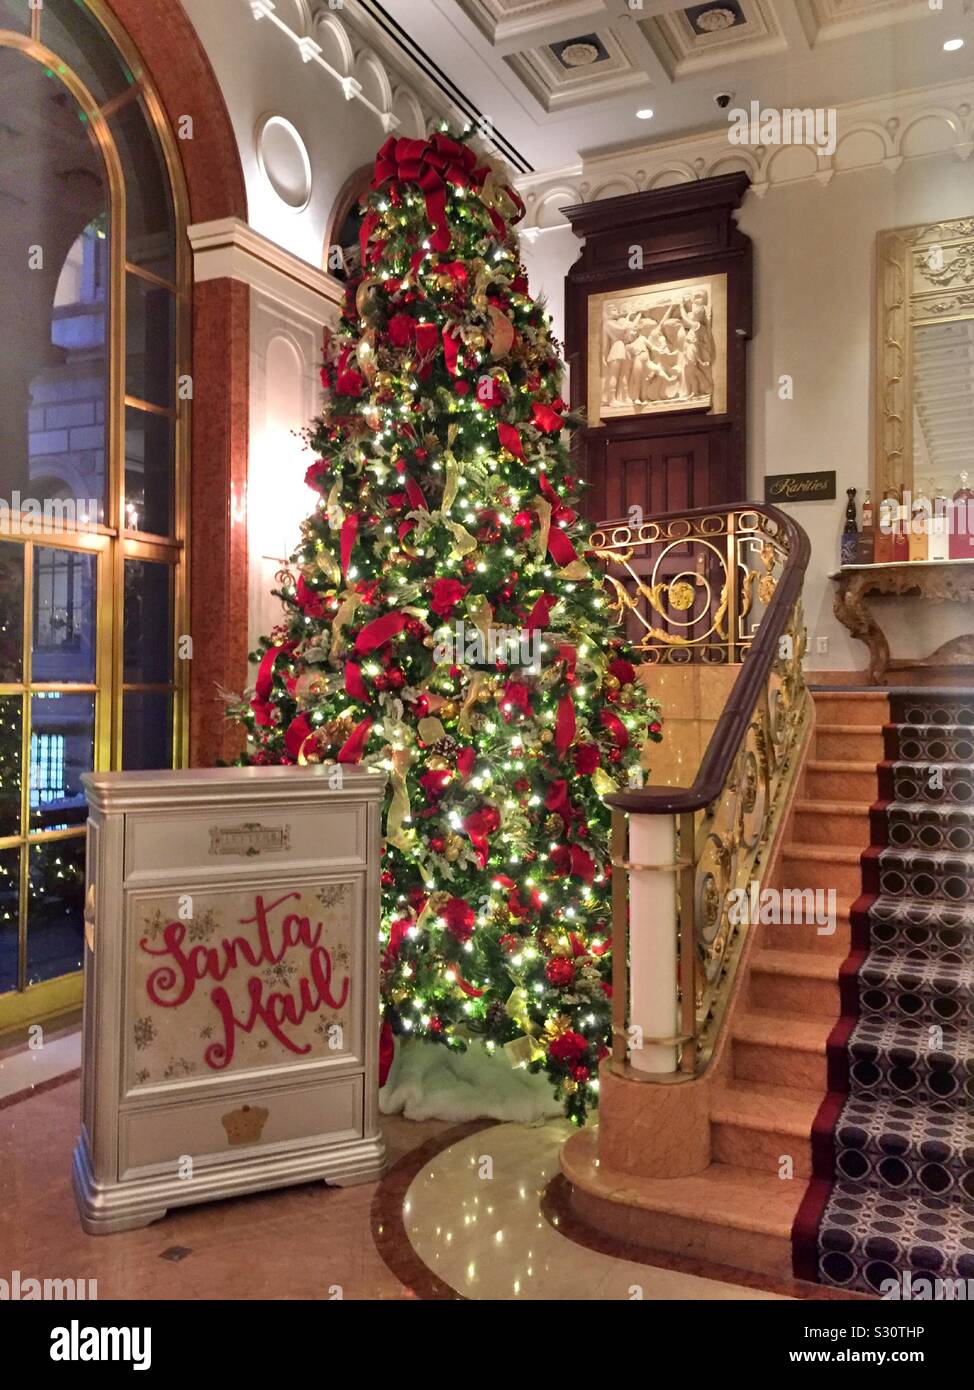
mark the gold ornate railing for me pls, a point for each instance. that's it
(706, 587)
(669, 578)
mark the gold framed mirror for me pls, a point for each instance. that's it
(924, 396)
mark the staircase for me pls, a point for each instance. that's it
(741, 1210)
(892, 1195)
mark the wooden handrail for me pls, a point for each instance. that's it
(733, 723)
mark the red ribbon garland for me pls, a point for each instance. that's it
(354, 684)
(510, 440)
(349, 532)
(451, 349)
(354, 746)
(380, 630)
(564, 725)
(415, 494)
(299, 731)
(261, 703)
(617, 730)
(540, 613)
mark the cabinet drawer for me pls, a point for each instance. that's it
(233, 1128)
(160, 846)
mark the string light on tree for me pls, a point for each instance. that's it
(448, 497)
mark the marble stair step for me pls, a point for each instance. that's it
(823, 867)
(795, 982)
(867, 708)
(855, 741)
(782, 936)
(831, 822)
(725, 1215)
(831, 779)
(782, 1049)
(757, 1125)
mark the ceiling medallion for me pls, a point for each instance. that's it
(712, 21)
(579, 55)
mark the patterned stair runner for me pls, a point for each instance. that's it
(892, 1192)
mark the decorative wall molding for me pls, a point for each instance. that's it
(362, 68)
(870, 135)
(231, 249)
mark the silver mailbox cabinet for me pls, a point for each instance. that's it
(231, 987)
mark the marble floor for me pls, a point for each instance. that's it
(464, 1211)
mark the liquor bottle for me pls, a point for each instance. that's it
(866, 540)
(962, 522)
(919, 525)
(938, 547)
(850, 529)
(887, 525)
(901, 535)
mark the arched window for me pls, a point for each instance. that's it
(93, 433)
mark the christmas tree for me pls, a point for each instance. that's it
(445, 626)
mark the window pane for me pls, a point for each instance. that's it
(62, 743)
(11, 725)
(9, 900)
(148, 472)
(55, 912)
(11, 613)
(54, 305)
(64, 616)
(149, 341)
(148, 632)
(76, 36)
(151, 231)
(146, 730)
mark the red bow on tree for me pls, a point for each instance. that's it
(431, 164)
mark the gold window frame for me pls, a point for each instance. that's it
(112, 543)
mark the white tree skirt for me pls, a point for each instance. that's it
(430, 1082)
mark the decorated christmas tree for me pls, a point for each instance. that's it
(445, 626)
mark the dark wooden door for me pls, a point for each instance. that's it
(664, 473)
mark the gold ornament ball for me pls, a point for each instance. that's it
(429, 641)
(612, 682)
(483, 697)
(448, 710)
(546, 735)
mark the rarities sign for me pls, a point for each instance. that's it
(799, 487)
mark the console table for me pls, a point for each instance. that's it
(927, 579)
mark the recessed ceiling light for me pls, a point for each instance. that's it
(952, 45)
(646, 114)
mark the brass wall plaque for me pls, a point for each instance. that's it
(249, 839)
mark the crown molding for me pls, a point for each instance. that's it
(871, 134)
(230, 249)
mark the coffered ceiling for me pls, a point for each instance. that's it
(564, 79)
